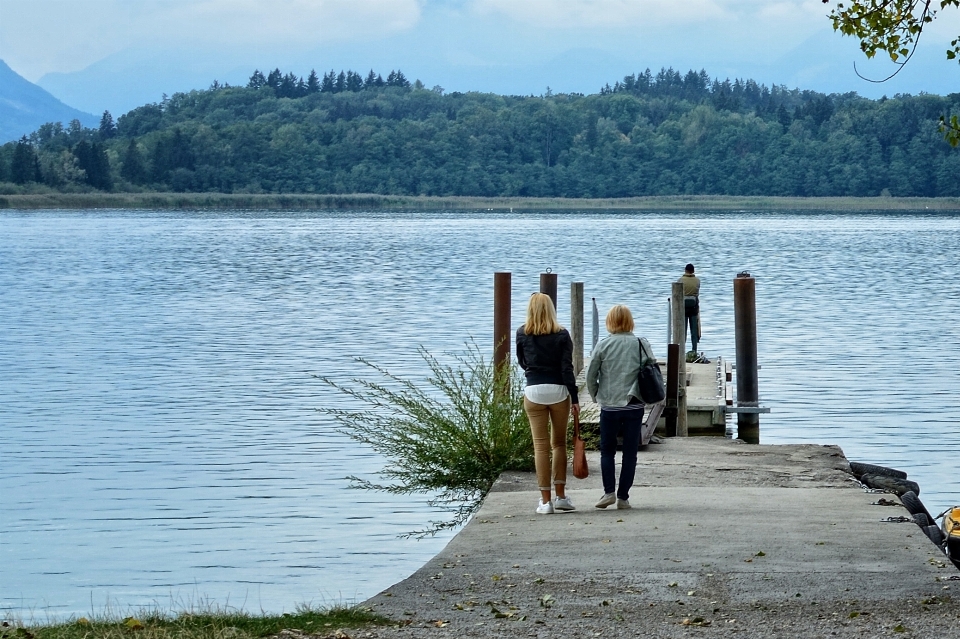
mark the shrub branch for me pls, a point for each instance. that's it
(449, 438)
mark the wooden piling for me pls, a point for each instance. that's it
(548, 286)
(745, 331)
(596, 324)
(501, 320)
(679, 337)
(576, 324)
(673, 385)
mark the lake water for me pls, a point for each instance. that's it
(160, 444)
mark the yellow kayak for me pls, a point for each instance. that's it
(951, 534)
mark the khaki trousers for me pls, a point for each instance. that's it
(546, 438)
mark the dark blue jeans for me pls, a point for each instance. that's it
(627, 424)
(693, 323)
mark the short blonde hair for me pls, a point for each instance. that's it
(619, 319)
(541, 316)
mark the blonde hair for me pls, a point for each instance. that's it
(541, 316)
(619, 319)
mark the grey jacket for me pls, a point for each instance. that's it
(614, 366)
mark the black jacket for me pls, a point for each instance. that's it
(548, 359)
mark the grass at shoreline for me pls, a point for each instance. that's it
(362, 201)
(203, 625)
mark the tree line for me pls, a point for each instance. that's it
(663, 133)
(290, 86)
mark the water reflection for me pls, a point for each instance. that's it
(159, 437)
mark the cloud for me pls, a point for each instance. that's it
(290, 21)
(633, 14)
(617, 14)
(38, 36)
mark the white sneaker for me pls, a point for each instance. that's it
(608, 499)
(563, 503)
(623, 504)
(545, 508)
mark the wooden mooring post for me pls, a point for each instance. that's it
(673, 385)
(576, 325)
(745, 330)
(548, 286)
(501, 321)
(679, 337)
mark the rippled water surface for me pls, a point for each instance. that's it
(159, 438)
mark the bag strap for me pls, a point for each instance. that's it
(642, 353)
(576, 426)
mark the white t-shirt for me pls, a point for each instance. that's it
(546, 393)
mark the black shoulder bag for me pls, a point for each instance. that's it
(650, 380)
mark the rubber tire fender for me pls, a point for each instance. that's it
(859, 469)
(934, 534)
(890, 484)
(914, 506)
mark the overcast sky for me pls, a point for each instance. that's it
(515, 46)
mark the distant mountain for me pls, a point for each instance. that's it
(137, 76)
(24, 107)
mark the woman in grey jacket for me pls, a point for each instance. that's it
(612, 382)
(545, 352)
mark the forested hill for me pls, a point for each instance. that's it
(650, 134)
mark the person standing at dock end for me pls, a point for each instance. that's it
(691, 304)
(545, 353)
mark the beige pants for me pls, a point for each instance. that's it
(545, 438)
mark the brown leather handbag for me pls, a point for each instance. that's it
(580, 470)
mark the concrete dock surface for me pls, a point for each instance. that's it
(724, 538)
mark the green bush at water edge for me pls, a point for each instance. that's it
(450, 441)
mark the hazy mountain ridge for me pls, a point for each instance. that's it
(24, 106)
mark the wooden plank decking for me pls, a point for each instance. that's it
(707, 394)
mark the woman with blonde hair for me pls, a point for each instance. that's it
(612, 382)
(545, 352)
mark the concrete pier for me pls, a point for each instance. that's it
(724, 538)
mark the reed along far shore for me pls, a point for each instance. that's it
(367, 201)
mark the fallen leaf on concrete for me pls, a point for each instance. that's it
(547, 601)
(696, 621)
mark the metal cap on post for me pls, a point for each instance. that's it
(501, 320)
(745, 331)
(548, 285)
